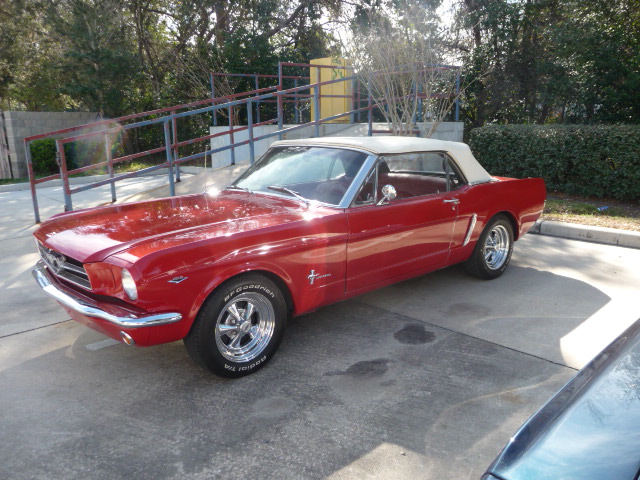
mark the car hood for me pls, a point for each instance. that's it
(94, 234)
(590, 429)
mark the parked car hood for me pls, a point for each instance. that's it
(590, 429)
(93, 234)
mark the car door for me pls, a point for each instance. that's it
(412, 232)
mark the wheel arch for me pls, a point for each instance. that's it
(512, 219)
(222, 279)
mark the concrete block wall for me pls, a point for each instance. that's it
(25, 124)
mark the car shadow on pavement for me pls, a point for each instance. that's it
(424, 379)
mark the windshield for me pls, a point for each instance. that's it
(314, 173)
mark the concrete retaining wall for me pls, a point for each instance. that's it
(222, 159)
(24, 124)
(450, 131)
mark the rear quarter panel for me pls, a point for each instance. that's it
(522, 200)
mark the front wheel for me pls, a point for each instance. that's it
(239, 327)
(492, 253)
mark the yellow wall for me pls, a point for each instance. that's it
(330, 106)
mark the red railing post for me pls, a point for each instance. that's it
(32, 181)
(62, 163)
(109, 158)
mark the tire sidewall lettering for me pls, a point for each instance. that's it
(245, 368)
(252, 287)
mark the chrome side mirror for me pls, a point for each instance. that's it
(388, 194)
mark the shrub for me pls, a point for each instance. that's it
(587, 160)
(43, 157)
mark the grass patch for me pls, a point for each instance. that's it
(134, 166)
(11, 181)
(571, 207)
(593, 212)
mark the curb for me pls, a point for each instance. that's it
(574, 231)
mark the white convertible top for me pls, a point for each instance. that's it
(460, 152)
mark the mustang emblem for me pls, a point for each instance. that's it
(53, 259)
(313, 275)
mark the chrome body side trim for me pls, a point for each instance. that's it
(472, 225)
(78, 305)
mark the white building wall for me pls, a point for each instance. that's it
(451, 131)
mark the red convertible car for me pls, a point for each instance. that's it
(312, 222)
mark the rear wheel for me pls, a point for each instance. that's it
(492, 253)
(239, 327)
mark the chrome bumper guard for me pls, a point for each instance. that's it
(79, 305)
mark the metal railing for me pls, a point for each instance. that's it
(238, 104)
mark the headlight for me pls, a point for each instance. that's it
(129, 285)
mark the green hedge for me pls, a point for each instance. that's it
(43, 157)
(586, 160)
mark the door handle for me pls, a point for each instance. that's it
(455, 201)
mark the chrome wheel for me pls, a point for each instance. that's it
(496, 247)
(244, 327)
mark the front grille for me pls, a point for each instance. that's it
(64, 267)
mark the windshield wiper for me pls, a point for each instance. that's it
(278, 188)
(236, 187)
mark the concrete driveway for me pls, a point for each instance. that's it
(425, 379)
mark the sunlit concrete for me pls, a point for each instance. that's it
(561, 300)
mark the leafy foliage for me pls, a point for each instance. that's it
(552, 61)
(43, 157)
(123, 56)
(587, 160)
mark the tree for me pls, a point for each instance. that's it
(404, 62)
(552, 60)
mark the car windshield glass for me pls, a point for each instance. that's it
(315, 173)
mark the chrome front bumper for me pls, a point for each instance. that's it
(127, 320)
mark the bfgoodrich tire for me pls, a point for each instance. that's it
(239, 327)
(492, 253)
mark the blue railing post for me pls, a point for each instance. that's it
(109, 158)
(359, 99)
(62, 163)
(167, 147)
(458, 96)
(369, 109)
(252, 151)
(231, 139)
(258, 102)
(353, 101)
(316, 109)
(174, 145)
(420, 117)
(280, 106)
(316, 102)
(296, 110)
(214, 113)
(414, 93)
